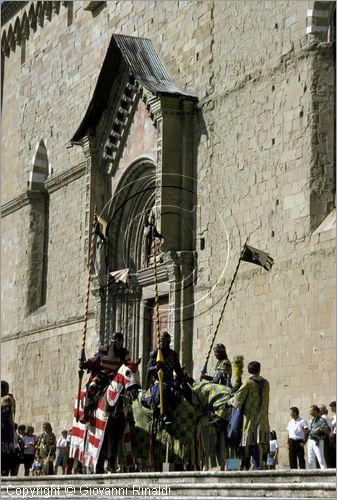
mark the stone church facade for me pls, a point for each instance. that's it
(216, 119)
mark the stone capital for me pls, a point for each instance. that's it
(89, 146)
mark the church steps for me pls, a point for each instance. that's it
(196, 485)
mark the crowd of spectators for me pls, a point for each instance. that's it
(39, 454)
(320, 437)
(44, 454)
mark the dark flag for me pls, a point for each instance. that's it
(257, 257)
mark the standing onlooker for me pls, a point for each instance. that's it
(298, 431)
(318, 430)
(20, 447)
(46, 445)
(273, 451)
(333, 435)
(62, 452)
(7, 429)
(30, 441)
(70, 461)
(327, 446)
(253, 398)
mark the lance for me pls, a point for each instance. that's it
(85, 324)
(159, 358)
(248, 254)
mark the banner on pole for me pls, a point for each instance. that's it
(258, 257)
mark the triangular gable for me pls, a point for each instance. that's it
(146, 68)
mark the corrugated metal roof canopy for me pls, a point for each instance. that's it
(145, 65)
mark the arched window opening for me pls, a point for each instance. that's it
(38, 231)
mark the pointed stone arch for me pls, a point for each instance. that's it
(40, 169)
(320, 20)
(11, 38)
(5, 48)
(40, 13)
(56, 7)
(32, 15)
(135, 194)
(48, 10)
(38, 236)
(17, 31)
(25, 27)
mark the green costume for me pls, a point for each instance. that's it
(253, 398)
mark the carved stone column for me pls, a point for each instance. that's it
(174, 184)
(187, 309)
(97, 187)
(173, 270)
(99, 295)
(123, 313)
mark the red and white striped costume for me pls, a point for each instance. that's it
(87, 439)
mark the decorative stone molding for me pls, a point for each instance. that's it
(65, 178)
(121, 125)
(123, 303)
(89, 146)
(9, 9)
(51, 185)
(13, 205)
(145, 277)
(45, 328)
(153, 105)
(59, 181)
(29, 15)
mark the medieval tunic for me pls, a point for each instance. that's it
(107, 360)
(253, 398)
(104, 366)
(170, 364)
(223, 372)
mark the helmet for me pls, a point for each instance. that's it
(219, 348)
(165, 336)
(116, 336)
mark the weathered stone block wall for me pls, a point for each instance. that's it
(10, 136)
(11, 272)
(258, 82)
(42, 368)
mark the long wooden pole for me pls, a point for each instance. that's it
(86, 310)
(160, 358)
(204, 369)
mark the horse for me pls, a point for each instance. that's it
(213, 413)
(212, 399)
(93, 443)
(197, 436)
(153, 443)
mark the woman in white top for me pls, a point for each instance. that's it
(62, 451)
(273, 451)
